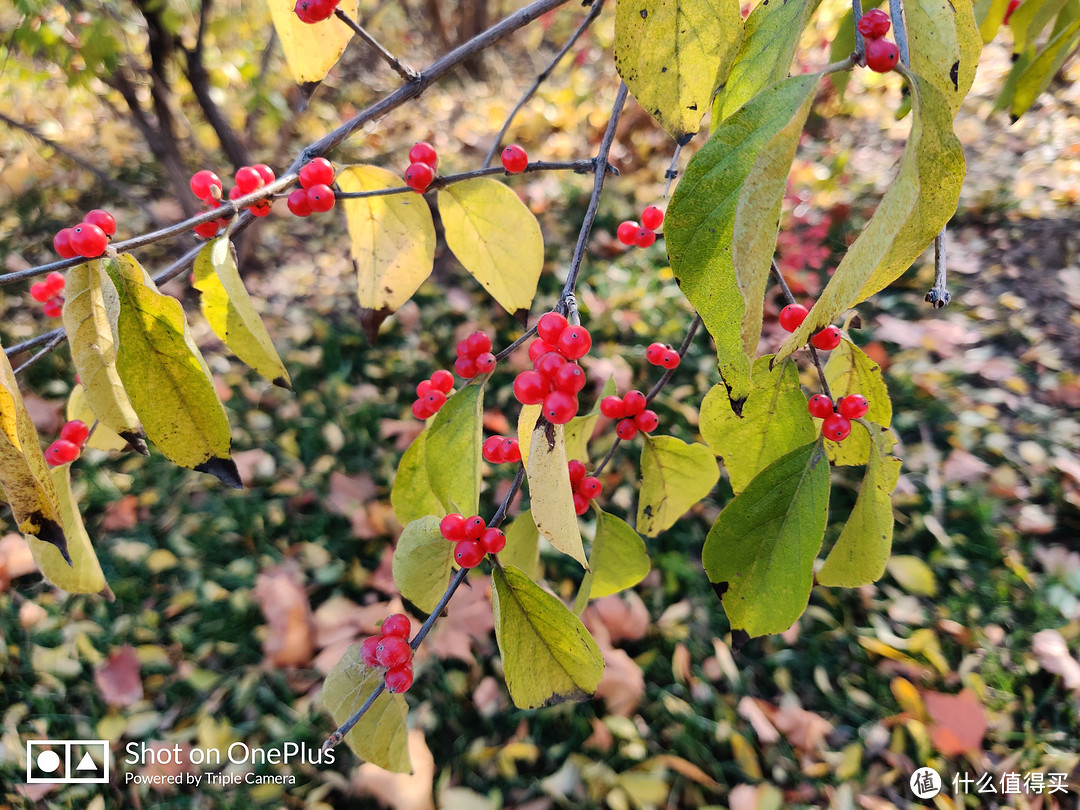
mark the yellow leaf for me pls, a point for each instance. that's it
(914, 575)
(550, 492)
(525, 427)
(229, 311)
(103, 438)
(945, 45)
(851, 371)
(393, 238)
(311, 49)
(496, 238)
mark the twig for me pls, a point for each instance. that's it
(49, 348)
(594, 12)
(403, 70)
(673, 170)
(939, 294)
(813, 352)
(33, 342)
(860, 43)
(506, 352)
(896, 12)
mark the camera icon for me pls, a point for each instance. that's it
(67, 762)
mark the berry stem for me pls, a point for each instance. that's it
(813, 352)
(673, 170)
(896, 12)
(403, 70)
(860, 43)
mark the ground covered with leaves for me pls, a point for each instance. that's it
(232, 606)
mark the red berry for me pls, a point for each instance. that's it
(576, 469)
(492, 449)
(61, 452)
(76, 431)
(627, 231)
(633, 403)
(55, 283)
(549, 364)
(820, 406)
(453, 527)
(399, 679)
(392, 651)
(474, 527)
(613, 407)
(462, 349)
(539, 347)
(53, 308)
(530, 387)
(652, 217)
(590, 487)
(248, 179)
(103, 219)
(466, 367)
(62, 244)
(671, 359)
(647, 421)
(575, 342)
(874, 24)
(469, 553)
(435, 400)
(40, 291)
(397, 624)
(511, 451)
(569, 379)
(443, 380)
(853, 406)
(792, 316)
(881, 55)
(206, 185)
(514, 159)
(644, 237)
(1013, 6)
(550, 326)
(265, 172)
(420, 409)
(478, 343)
(207, 230)
(317, 172)
(485, 363)
(581, 503)
(88, 240)
(262, 208)
(419, 176)
(367, 651)
(560, 407)
(424, 152)
(655, 352)
(321, 198)
(626, 429)
(235, 193)
(299, 203)
(827, 339)
(493, 541)
(423, 388)
(836, 427)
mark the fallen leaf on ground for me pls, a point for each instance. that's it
(623, 684)
(16, 559)
(958, 722)
(1052, 653)
(468, 617)
(123, 514)
(401, 791)
(752, 712)
(118, 678)
(281, 596)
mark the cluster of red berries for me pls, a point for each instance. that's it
(87, 239)
(660, 355)
(632, 414)
(207, 186)
(69, 446)
(391, 650)
(881, 55)
(502, 450)
(643, 235)
(584, 487)
(431, 394)
(555, 380)
(837, 424)
(474, 356)
(314, 195)
(474, 539)
(313, 11)
(423, 161)
(791, 318)
(514, 159)
(50, 293)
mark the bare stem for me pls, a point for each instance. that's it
(673, 170)
(896, 12)
(813, 352)
(939, 294)
(49, 348)
(860, 43)
(403, 70)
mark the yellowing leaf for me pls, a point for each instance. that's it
(1038, 75)
(525, 427)
(1030, 19)
(990, 14)
(547, 654)
(851, 371)
(392, 238)
(411, 495)
(550, 492)
(522, 544)
(91, 310)
(618, 558)
(381, 736)
(166, 378)
(495, 237)
(674, 476)
(673, 54)
(231, 314)
(423, 563)
(914, 575)
(945, 45)
(103, 438)
(311, 49)
(452, 451)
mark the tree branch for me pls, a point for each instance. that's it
(403, 70)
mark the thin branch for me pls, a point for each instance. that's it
(860, 43)
(49, 348)
(594, 12)
(33, 342)
(896, 12)
(939, 295)
(509, 349)
(403, 70)
(673, 170)
(813, 352)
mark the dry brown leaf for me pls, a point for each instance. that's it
(16, 559)
(623, 684)
(468, 616)
(255, 465)
(118, 678)
(46, 414)
(680, 664)
(961, 467)
(350, 496)
(601, 736)
(401, 791)
(1052, 652)
(489, 697)
(402, 431)
(958, 722)
(805, 730)
(281, 596)
(624, 616)
(750, 710)
(122, 515)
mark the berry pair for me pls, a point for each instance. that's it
(632, 414)
(314, 195)
(391, 650)
(881, 55)
(249, 179)
(313, 11)
(423, 161)
(584, 487)
(474, 539)
(69, 446)
(514, 159)
(502, 450)
(660, 355)
(474, 356)
(791, 318)
(555, 380)
(50, 292)
(87, 239)
(643, 235)
(206, 186)
(837, 421)
(431, 394)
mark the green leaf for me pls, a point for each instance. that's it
(774, 422)
(1038, 75)
(761, 550)
(990, 14)
(495, 237)
(166, 378)
(674, 476)
(913, 211)
(83, 574)
(851, 371)
(423, 563)
(945, 45)
(311, 49)
(381, 736)
(859, 555)
(411, 495)
(547, 654)
(842, 46)
(452, 451)
(550, 493)
(772, 32)
(1008, 88)
(522, 544)
(1030, 19)
(228, 309)
(698, 228)
(673, 54)
(392, 238)
(91, 310)
(618, 559)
